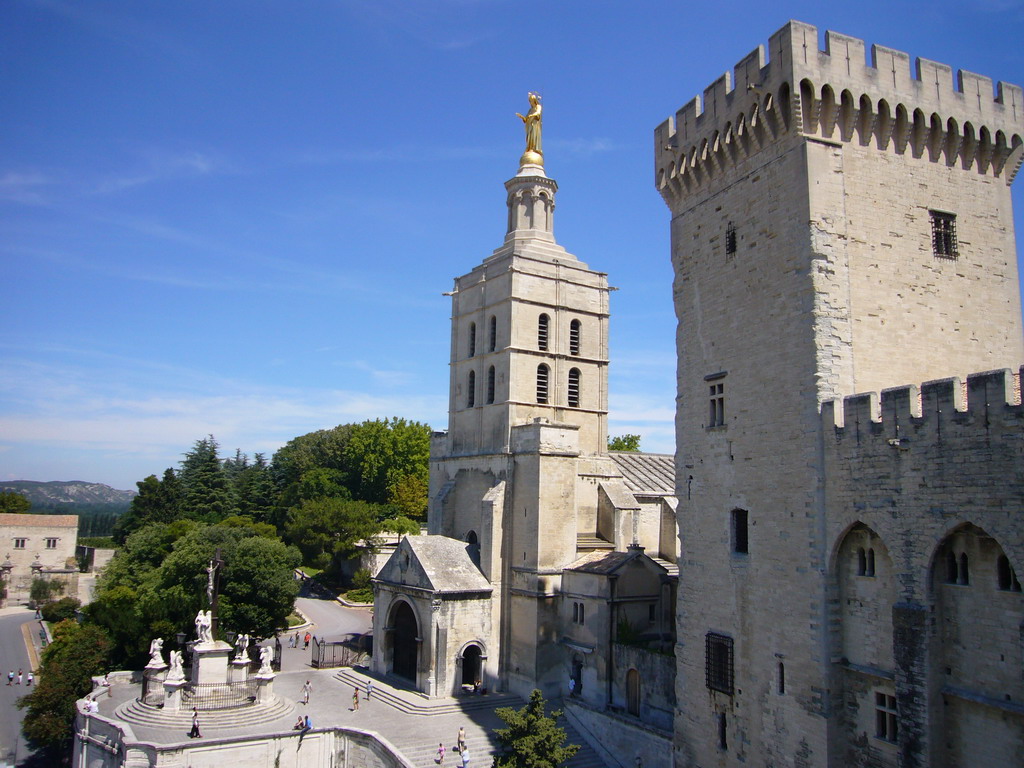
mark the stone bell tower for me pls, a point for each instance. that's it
(528, 398)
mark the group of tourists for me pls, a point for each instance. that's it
(20, 677)
(460, 747)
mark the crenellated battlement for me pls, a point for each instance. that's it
(837, 95)
(988, 401)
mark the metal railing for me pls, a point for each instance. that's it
(209, 696)
(339, 653)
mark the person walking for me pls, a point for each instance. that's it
(355, 699)
(194, 733)
(21, 674)
(31, 677)
(10, 677)
(460, 741)
(465, 757)
(440, 753)
(307, 641)
(306, 690)
(369, 689)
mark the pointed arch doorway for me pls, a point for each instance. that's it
(404, 642)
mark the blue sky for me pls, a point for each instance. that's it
(238, 218)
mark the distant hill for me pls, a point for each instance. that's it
(58, 493)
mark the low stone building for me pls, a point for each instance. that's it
(38, 546)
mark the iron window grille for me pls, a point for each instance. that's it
(542, 384)
(574, 388)
(490, 385)
(944, 243)
(718, 662)
(575, 328)
(542, 333)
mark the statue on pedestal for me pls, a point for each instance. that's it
(266, 657)
(175, 672)
(534, 154)
(241, 647)
(155, 653)
(204, 626)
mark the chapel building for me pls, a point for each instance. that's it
(550, 563)
(843, 228)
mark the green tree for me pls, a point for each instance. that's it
(207, 493)
(329, 527)
(255, 490)
(629, 443)
(380, 454)
(59, 610)
(12, 501)
(409, 496)
(158, 501)
(532, 738)
(76, 654)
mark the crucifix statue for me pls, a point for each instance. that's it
(212, 585)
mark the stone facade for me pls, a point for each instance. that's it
(525, 498)
(839, 228)
(38, 546)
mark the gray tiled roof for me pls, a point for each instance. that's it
(647, 473)
(447, 564)
(599, 562)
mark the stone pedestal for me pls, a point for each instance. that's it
(238, 670)
(265, 687)
(210, 662)
(172, 694)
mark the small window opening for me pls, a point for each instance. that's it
(723, 731)
(472, 339)
(718, 666)
(492, 336)
(944, 243)
(871, 563)
(471, 389)
(782, 678)
(716, 411)
(652, 613)
(574, 388)
(542, 384)
(730, 240)
(490, 385)
(740, 542)
(575, 613)
(885, 717)
(862, 562)
(952, 570)
(51, 543)
(965, 577)
(19, 543)
(542, 333)
(574, 337)
(1006, 577)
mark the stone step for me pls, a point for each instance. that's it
(135, 712)
(415, 703)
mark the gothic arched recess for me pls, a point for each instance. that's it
(404, 644)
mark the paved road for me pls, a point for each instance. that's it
(12, 656)
(331, 621)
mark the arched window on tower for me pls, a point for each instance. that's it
(952, 571)
(574, 387)
(543, 373)
(490, 385)
(472, 339)
(492, 335)
(871, 563)
(862, 562)
(965, 577)
(471, 389)
(574, 337)
(1007, 579)
(542, 333)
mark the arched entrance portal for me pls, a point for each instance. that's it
(472, 668)
(633, 692)
(404, 646)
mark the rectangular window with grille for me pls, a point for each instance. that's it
(944, 243)
(51, 543)
(718, 662)
(716, 404)
(730, 240)
(19, 543)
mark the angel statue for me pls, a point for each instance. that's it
(204, 626)
(155, 652)
(532, 120)
(175, 672)
(266, 657)
(241, 646)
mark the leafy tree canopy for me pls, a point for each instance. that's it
(624, 443)
(12, 501)
(532, 738)
(76, 654)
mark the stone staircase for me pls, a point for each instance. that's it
(135, 712)
(439, 720)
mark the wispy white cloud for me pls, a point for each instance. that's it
(158, 167)
(384, 377)
(26, 188)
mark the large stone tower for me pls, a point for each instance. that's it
(528, 401)
(837, 227)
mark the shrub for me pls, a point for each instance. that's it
(60, 610)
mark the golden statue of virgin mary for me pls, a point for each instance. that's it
(534, 154)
